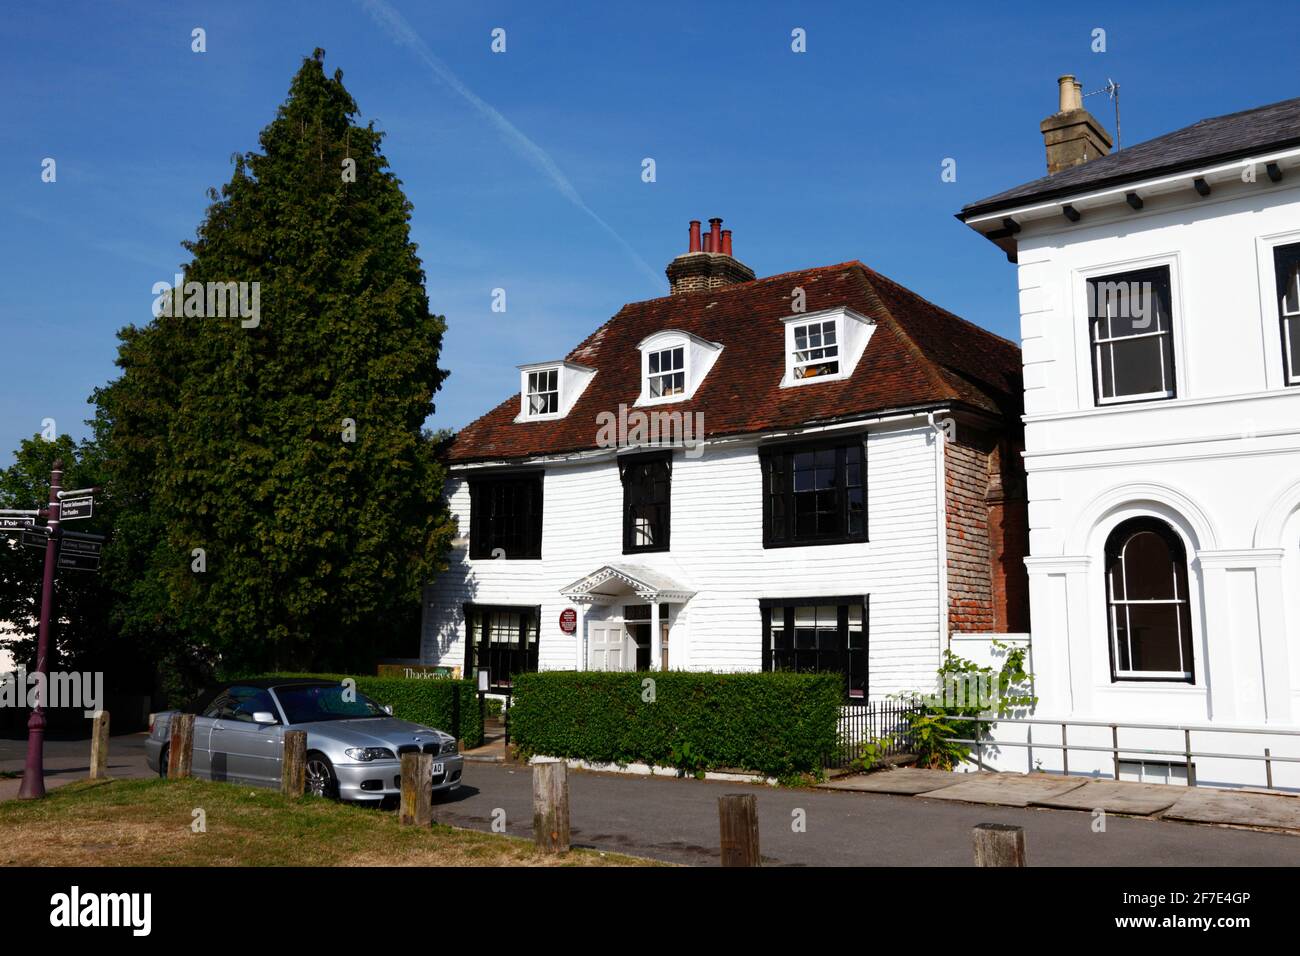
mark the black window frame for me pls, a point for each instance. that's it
(519, 653)
(1162, 281)
(627, 466)
(1178, 552)
(778, 465)
(851, 665)
(1285, 258)
(482, 542)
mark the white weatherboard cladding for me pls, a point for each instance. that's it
(717, 552)
(1220, 463)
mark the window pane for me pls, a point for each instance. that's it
(1292, 330)
(1148, 569)
(1149, 605)
(1155, 637)
(1137, 367)
(803, 471)
(1131, 322)
(1122, 660)
(856, 510)
(1287, 262)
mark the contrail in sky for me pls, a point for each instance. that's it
(405, 34)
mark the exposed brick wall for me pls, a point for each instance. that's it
(699, 271)
(1009, 536)
(987, 531)
(970, 579)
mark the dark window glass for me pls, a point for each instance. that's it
(815, 494)
(666, 370)
(502, 641)
(506, 517)
(647, 500)
(1286, 261)
(1148, 602)
(544, 392)
(1131, 327)
(809, 636)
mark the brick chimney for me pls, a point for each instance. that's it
(1072, 134)
(707, 262)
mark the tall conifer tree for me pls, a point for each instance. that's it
(279, 500)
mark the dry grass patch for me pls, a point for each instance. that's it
(150, 823)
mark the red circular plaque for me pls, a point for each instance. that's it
(568, 620)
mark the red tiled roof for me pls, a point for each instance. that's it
(919, 355)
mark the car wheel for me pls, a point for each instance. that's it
(321, 781)
(162, 762)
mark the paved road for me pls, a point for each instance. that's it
(69, 760)
(677, 820)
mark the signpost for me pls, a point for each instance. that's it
(72, 508)
(79, 562)
(70, 550)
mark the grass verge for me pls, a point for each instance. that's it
(150, 823)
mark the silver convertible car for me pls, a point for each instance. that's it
(354, 746)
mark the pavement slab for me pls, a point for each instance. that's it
(906, 780)
(1006, 789)
(1134, 799)
(1237, 807)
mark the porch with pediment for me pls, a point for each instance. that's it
(629, 615)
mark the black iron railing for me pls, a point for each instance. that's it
(888, 722)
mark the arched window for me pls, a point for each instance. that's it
(1148, 603)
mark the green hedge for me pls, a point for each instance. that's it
(422, 701)
(779, 724)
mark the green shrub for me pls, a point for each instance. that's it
(422, 701)
(779, 724)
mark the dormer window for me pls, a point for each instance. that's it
(544, 392)
(825, 346)
(667, 372)
(673, 364)
(816, 350)
(549, 390)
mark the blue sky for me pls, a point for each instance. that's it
(810, 158)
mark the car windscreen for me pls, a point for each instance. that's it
(305, 703)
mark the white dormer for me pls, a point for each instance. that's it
(548, 390)
(824, 346)
(673, 364)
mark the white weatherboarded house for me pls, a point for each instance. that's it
(812, 471)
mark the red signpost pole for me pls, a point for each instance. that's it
(33, 786)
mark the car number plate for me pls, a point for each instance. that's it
(437, 769)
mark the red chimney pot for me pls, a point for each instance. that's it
(726, 242)
(715, 235)
(695, 236)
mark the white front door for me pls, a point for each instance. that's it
(606, 647)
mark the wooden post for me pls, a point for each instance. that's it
(99, 746)
(417, 790)
(455, 718)
(551, 805)
(293, 769)
(999, 844)
(180, 751)
(738, 823)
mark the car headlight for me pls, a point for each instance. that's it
(367, 754)
(449, 746)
